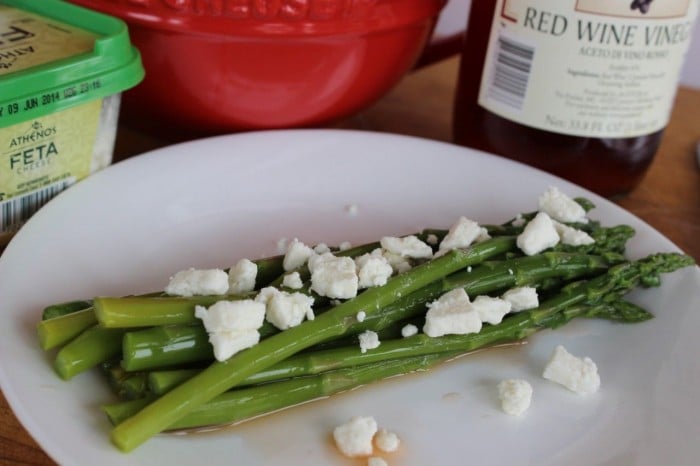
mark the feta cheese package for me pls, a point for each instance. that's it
(61, 87)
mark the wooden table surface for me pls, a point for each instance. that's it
(421, 105)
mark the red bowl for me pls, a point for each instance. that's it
(216, 66)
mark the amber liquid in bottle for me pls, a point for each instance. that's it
(608, 167)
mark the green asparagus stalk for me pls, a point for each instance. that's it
(60, 309)
(333, 371)
(58, 331)
(163, 381)
(315, 362)
(88, 350)
(146, 311)
(163, 347)
(137, 312)
(245, 403)
(221, 376)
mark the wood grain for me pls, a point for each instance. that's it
(421, 105)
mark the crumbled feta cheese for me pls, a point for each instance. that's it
(491, 310)
(461, 234)
(192, 282)
(432, 239)
(515, 396)
(352, 209)
(241, 277)
(344, 246)
(226, 344)
(297, 254)
(333, 277)
(354, 438)
(292, 280)
(373, 270)
(224, 316)
(561, 207)
(232, 325)
(368, 340)
(387, 441)
(576, 374)
(398, 263)
(521, 298)
(407, 246)
(409, 330)
(483, 235)
(285, 310)
(376, 461)
(452, 313)
(320, 248)
(361, 316)
(266, 294)
(539, 234)
(518, 221)
(572, 236)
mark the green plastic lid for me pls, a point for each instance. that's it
(55, 55)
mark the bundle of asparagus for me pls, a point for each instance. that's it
(156, 354)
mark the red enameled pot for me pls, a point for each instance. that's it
(215, 66)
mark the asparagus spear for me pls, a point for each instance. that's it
(59, 330)
(308, 363)
(148, 348)
(221, 376)
(167, 346)
(86, 351)
(320, 375)
(68, 307)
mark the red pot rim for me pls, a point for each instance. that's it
(270, 17)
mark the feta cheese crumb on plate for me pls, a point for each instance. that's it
(241, 277)
(286, 310)
(232, 325)
(297, 254)
(333, 277)
(561, 207)
(407, 246)
(368, 340)
(198, 282)
(572, 236)
(491, 310)
(387, 441)
(451, 314)
(409, 330)
(539, 234)
(515, 396)
(580, 375)
(522, 298)
(461, 235)
(292, 280)
(373, 269)
(354, 438)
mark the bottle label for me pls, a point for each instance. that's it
(591, 68)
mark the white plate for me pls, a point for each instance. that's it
(211, 202)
